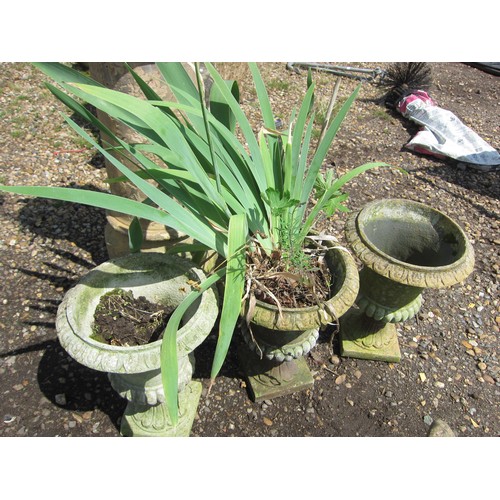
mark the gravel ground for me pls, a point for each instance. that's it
(449, 367)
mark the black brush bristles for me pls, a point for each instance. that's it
(403, 78)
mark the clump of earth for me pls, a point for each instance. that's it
(122, 320)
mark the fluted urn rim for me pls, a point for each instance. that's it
(298, 319)
(145, 274)
(373, 257)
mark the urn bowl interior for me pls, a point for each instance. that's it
(412, 233)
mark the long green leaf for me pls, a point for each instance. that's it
(245, 126)
(61, 73)
(322, 151)
(262, 95)
(302, 160)
(334, 188)
(219, 107)
(168, 351)
(135, 236)
(183, 88)
(122, 106)
(298, 130)
(233, 291)
(95, 199)
(148, 92)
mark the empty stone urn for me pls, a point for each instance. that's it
(134, 372)
(405, 247)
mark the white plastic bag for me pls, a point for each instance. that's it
(443, 134)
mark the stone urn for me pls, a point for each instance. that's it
(277, 340)
(134, 372)
(405, 247)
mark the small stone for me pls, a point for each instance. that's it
(439, 385)
(428, 420)
(60, 399)
(267, 421)
(466, 344)
(482, 366)
(422, 376)
(18, 387)
(340, 379)
(357, 374)
(440, 428)
(489, 379)
(77, 417)
(8, 419)
(335, 360)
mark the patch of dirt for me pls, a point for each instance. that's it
(122, 320)
(449, 368)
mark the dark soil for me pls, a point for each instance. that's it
(449, 366)
(122, 320)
